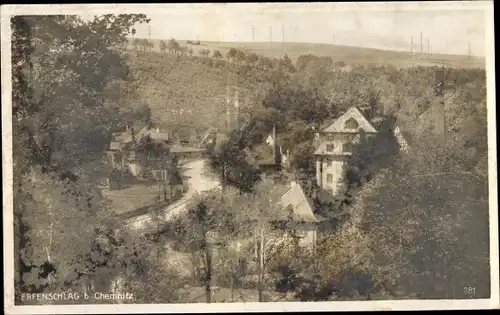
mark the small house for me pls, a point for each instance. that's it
(145, 154)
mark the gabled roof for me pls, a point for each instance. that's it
(120, 136)
(302, 205)
(405, 134)
(402, 133)
(339, 124)
(327, 123)
(159, 136)
(115, 145)
(144, 131)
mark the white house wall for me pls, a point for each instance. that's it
(135, 168)
(336, 169)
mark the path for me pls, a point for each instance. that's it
(198, 182)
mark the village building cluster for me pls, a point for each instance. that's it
(152, 153)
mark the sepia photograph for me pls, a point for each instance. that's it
(249, 156)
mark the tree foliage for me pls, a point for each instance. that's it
(62, 122)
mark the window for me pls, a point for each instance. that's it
(348, 147)
(329, 178)
(351, 124)
(329, 147)
(329, 137)
(350, 137)
(329, 163)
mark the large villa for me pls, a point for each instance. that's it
(309, 204)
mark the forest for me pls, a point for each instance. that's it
(417, 223)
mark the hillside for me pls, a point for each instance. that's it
(347, 54)
(188, 94)
(185, 93)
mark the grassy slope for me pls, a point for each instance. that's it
(181, 90)
(170, 84)
(348, 54)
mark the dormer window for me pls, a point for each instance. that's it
(351, 124)
(329, 147)
(348, 147)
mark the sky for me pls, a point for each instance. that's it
(447, 28)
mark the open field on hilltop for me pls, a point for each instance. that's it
(347, 54)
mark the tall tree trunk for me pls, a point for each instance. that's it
(208, 274)
(208, 267)
(260, 287)
(21, 244)
(231, 293)
(48, 248)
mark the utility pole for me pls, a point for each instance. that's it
(283, 33)
(228, 106)
(469, 49)
(149, 36)
(421, 45)
(253, 34)
(411, 46)
(270, 34)
(428, 49)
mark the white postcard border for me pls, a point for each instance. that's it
(10, 308)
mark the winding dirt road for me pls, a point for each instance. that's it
(198, 181)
